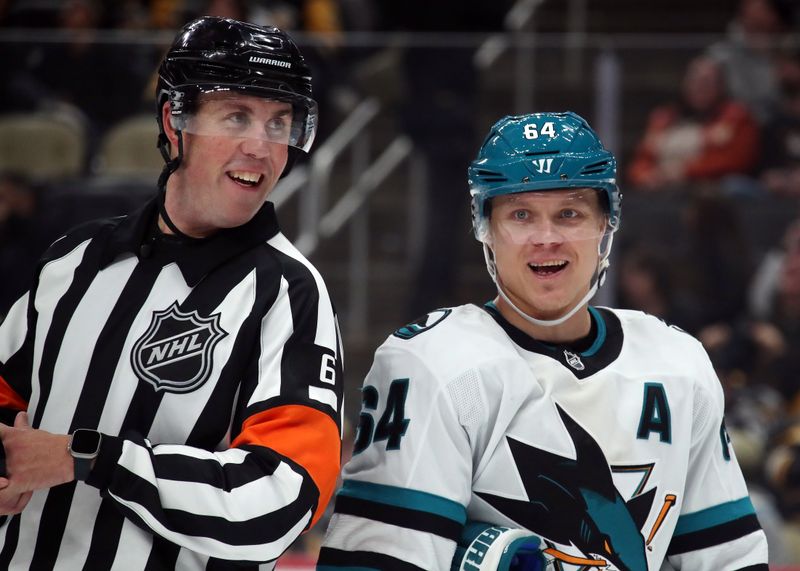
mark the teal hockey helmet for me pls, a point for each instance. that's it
(539, 152)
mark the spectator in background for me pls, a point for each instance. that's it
(703, 137)
(780, 156)
(645, 283)
(775, 291)
(775, 298)
(743, 354)
(748, 53)
(71, 72)
(777, 285)
(712, 280)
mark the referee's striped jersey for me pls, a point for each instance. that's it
(214, 371)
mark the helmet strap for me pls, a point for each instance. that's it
(598, 279)
(291, 158)
(170, 167)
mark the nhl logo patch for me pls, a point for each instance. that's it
(175, 353)
(574, 360)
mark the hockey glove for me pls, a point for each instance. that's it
(487, 547)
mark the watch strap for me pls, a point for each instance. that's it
(83, 466)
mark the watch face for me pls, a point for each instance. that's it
(85, 441)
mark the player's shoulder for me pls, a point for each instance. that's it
(453, 327)
(634, 321)
(451, 338)
(646, 334)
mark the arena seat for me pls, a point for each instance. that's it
(43, 145)
(129, 149)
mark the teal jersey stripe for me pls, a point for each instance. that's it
(601, 333)
(405, 498)
(712, 517)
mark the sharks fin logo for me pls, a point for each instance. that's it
(575, 503)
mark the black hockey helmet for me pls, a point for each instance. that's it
(214, 54)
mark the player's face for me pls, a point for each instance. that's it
(546, 247)
(234, 151)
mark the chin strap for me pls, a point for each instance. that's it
(170, 167)
(598, 279)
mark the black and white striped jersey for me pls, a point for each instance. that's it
(214, 371)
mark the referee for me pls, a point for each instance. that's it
(171, 389)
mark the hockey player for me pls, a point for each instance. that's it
(536, 429)
(179, 369)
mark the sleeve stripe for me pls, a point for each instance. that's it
(276, 324)
(326, 327)
(714, 516)
(306, 436)
(14, 328)
(400, 517)
(248, 500)
(331, 559)
(326, 396)
(710, 537)
(229, 541)
(9, 398)
(405, 498)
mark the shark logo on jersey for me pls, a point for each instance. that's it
(422, 324)
(175, 353)
(574, 503)
(574, 361)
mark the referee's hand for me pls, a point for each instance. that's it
(35, 460)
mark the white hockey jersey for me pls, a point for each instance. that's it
(616, 454)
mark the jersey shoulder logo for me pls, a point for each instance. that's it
(422, 324)
(175, 353)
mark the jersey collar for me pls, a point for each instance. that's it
(195, 258)
(583, 358)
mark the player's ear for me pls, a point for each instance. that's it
(169, 130)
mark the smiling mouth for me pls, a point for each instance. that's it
(248, 179)
(548, 268)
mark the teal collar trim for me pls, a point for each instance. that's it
(601, 333)
(599, 324)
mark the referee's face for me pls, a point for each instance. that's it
(229, 167)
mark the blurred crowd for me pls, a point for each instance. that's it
(727, 150)
(721, 160)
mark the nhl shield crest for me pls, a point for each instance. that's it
(574, 360)
(175, 353)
